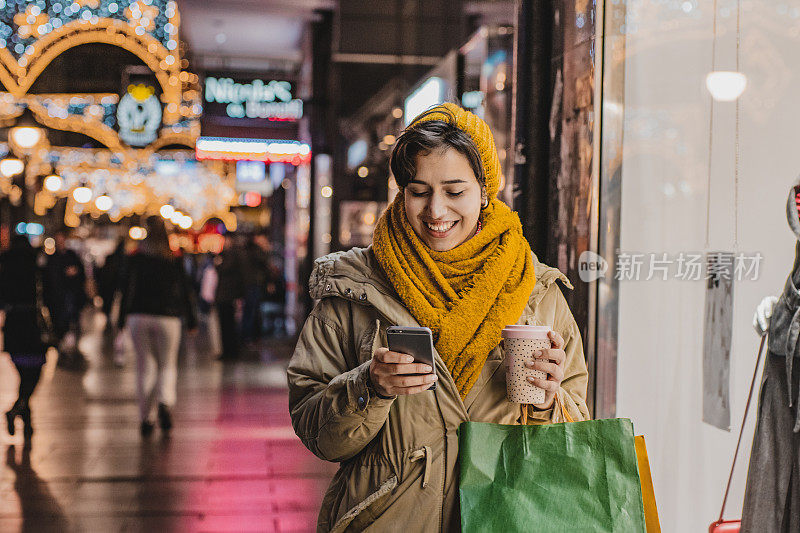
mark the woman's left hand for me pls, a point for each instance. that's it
(550, 361)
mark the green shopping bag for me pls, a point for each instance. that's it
(581, 476)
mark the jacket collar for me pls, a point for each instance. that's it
(356, 276)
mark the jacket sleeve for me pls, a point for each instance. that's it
(572, 393)
(334, 410)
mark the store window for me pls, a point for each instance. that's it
(685, 172)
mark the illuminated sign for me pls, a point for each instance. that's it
(472, 99)
(272, 100)
(139, 115)
(428, 94)
(269, 151)
(357, 153)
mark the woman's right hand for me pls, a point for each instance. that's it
(395, 374)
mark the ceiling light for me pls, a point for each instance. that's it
(166, 210)
(104, 203)
(137, 233)
(26, 136)
(82, 195)
(185, 222)
(726, 86)
(53, 183)
(11, 166)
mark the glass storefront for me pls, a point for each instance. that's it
(685, 173)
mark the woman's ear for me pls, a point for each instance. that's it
(484, 198)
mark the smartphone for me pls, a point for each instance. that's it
(414, 341)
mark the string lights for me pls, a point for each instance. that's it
(120, 180)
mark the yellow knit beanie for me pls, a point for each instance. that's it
(480, 134)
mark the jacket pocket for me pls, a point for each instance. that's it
(354, 512)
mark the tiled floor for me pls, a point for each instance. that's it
(232, 462)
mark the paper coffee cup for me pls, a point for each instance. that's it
(520, 342)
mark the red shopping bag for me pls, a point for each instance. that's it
(733, 526)
(725, 526)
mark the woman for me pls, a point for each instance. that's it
(447, 254)
(156, 294)
(25, 325)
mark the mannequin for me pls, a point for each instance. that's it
(772, 495)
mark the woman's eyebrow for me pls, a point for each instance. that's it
(448, 182)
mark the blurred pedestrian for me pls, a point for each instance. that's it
(156, 295)
(208, 315)
(229, 295)
(109, 280)
(256, 268)
(26, 325)
(65, 297)
(274, 305)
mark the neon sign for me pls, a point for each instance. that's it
(272, 100)
(269, 151)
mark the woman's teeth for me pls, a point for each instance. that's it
(440, 227)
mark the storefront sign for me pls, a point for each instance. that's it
(429, 94)
(268, 151)
(257, 98)
(139, 115)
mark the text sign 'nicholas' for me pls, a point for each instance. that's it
(272, 100)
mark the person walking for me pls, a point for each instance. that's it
(65, 297)
(256, 267)
(109, 279)
(448, 255)
(156, 295)
(25, 327)
(229, 296)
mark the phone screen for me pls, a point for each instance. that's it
(416, 342)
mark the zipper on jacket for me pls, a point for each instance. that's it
(416, 455)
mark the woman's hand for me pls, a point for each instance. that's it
(394, 374)
(550, 361)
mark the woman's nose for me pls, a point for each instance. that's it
(436, 207)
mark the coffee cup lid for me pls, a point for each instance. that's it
(521, 331)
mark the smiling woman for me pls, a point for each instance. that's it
(443, 182)
(449, 256)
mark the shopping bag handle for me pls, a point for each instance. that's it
(557, 399)
(744, 419)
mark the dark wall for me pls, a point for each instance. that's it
(555, 113)
(88, 68)
(374, 43)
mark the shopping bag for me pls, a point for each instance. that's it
(646, 481)
(579, 476)
(725, 526)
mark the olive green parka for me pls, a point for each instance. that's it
(399, 457)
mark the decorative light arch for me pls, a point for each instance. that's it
(35, 32)
(31, 40)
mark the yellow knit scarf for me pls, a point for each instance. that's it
(466, 295)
